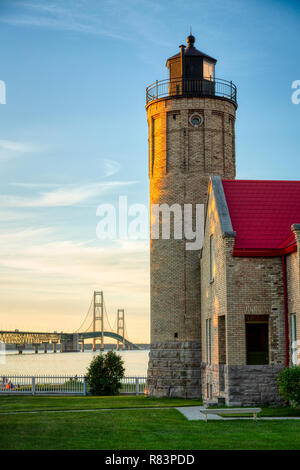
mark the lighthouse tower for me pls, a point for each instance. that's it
(191, 119)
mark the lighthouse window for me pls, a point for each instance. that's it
(208, 70)
(196, 120)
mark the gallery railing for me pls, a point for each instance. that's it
(189, 88)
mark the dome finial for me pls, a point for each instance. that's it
(191, 39)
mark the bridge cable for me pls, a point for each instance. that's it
(106, 316)
(85, 318)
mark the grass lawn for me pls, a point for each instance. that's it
(30, 403)
(141, 429)
(125, 428)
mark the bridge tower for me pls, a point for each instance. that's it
(98, 314)
(120, 326)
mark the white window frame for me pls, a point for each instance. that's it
(208, 340)
(211, 258)
(294, 340)
(210, 64)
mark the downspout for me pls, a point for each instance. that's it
(286, 321)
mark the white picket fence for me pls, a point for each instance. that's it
(133, 385)
(61, 385)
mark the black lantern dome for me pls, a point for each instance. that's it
(191, 63)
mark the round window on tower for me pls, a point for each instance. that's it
(196, 120)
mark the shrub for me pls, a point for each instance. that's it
(105, 373)
(289, 385)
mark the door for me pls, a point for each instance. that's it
(257, 341)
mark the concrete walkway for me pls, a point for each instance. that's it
(193, 413)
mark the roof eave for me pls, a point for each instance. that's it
(200, 54)
(264, 252)
(222, 207)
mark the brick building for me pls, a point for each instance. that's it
(198, 323)
(249, 288)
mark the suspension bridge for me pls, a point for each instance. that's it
(95, 327)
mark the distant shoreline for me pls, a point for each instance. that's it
(87, 347)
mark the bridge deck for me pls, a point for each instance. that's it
(35, 337)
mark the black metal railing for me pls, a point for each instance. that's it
(190, 87)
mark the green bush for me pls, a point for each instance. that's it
(105, 373)
(289, 385)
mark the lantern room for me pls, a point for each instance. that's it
(191, 64)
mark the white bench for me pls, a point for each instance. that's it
(230, 411)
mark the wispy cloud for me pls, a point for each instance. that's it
(34, 185)
(9, 238)
(62, 196)
(81, 260)
(69, 18)
(8, 216)
(114, 19)
(12, 149)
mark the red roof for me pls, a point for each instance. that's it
(262, 213)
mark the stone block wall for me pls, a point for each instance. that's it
(174, 369)
(252, 385)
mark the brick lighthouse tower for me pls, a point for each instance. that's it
(191, 119)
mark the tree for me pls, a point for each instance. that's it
(105, 373)
(289, 385)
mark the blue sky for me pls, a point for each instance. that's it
(73, 135)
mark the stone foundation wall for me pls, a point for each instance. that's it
(174, 369)
(252, 385)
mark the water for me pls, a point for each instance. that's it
(28, 363)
